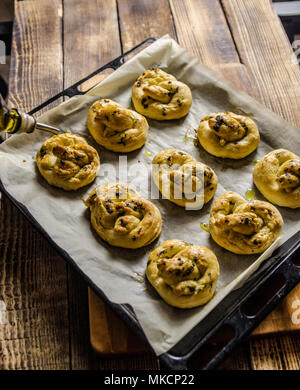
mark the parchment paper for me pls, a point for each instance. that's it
(119, 272)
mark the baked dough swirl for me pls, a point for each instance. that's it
(180, 178)
(242, 227)
(115, 127)
(122, 217)
(67, 161)
(277, 176)
(183, 274)
(159, 95)
(228, 135)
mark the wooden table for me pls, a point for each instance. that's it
(57, 42)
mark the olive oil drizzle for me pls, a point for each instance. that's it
(205, 226)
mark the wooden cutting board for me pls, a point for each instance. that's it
(110, 336)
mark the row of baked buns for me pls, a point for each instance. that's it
(123, 218)
(67, 161)
(158, 95)
(155, 94)
(185, 275)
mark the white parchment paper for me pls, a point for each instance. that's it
(119, 272)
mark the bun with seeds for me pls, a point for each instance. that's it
(244, 227)
(277, 176)
(121, 217)
(116, 128)
(184, 275)
(67, 161)
(182, 179)
(228, 135)
(159, 95)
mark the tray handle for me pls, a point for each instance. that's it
(245, 318)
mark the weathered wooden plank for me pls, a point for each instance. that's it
(33, 288)
(264, 48)
(143, 19)
(32, 277)
(276, 353)
(91, 39)
(238, 359)
(144, 362)
(202, 28)
(81, 355)
(36, 65)
(238, 75)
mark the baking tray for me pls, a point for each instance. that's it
(233, 318)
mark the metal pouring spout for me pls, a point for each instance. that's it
(14, 121)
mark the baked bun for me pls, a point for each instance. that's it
(158, 95)
(180, 177)
(184, 275)
(122, 217)
(116, 128)
(277, 176)
(242, 227)
(67, 161)
(228, 135)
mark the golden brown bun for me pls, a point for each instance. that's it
(158, 95)
(177, 175)
(67, 161)
(228, 135)
(183, 274)
(277, 176)
(122, 217)
(242, 227)
(115, 127)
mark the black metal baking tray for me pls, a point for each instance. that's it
(234, 317)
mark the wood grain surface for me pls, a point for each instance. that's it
(264, 48)
(206, 34)
(57, 42)
(142, 19)
(33, 281)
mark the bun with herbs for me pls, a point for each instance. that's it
(182, 179)
(244, 227)
(277, 176)
(67, 161)
(183, 274)
(228, 135)
(116, 128)
(159, 95)
(121, 217)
